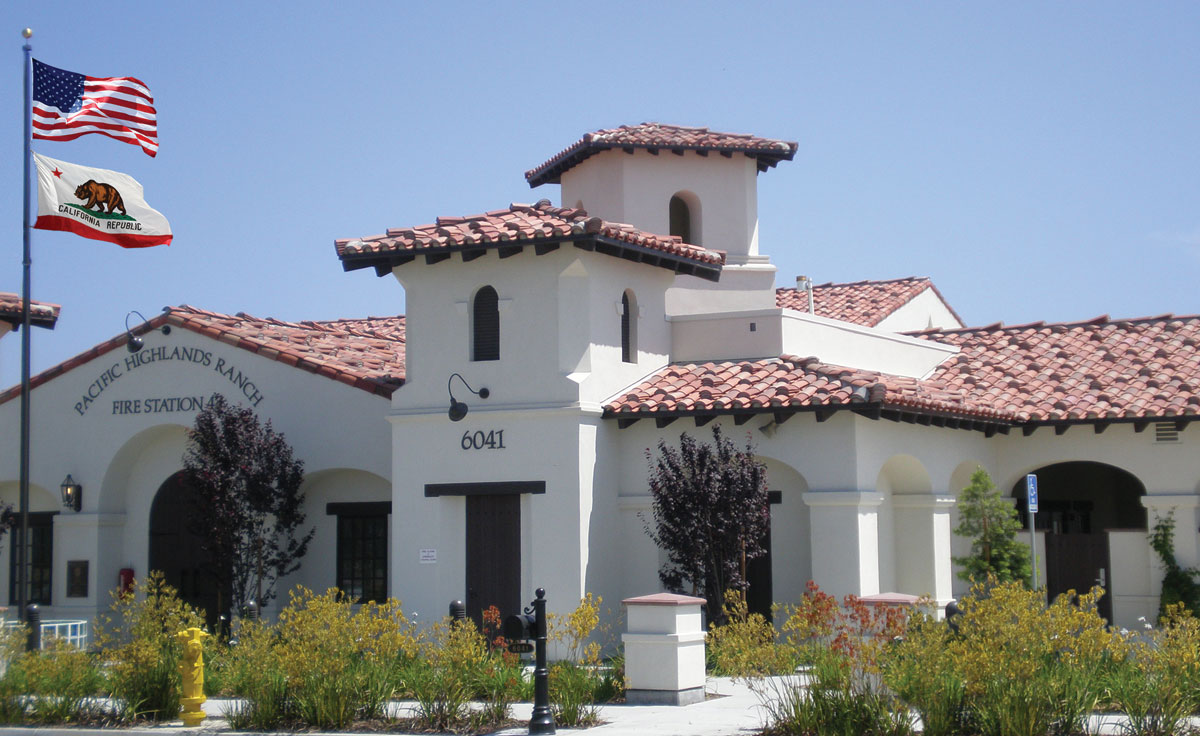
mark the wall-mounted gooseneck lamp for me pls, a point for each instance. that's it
(72, 494)
(458, 409)
(133, 343)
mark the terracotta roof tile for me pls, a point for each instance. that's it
(521, 225)
(656, 136)
(790, 383)
(41, 314)
(365, 353)
(1101, 370)
(864, 303)
(1146, 368)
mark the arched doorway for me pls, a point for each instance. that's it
(1079, 503)
(176, 552)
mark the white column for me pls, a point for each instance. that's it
(845, 540)
(922, 539)
(664, 650)
(1184, 506)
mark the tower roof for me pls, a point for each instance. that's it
(655, 137)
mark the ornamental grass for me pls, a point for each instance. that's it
(1012, 665)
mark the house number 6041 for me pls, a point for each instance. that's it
(493, 439)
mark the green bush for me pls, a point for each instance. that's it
(443, 675)
(1158, 685)
(746, 646)
(58, 685)
(138, 644)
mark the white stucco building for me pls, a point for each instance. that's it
(639, 307)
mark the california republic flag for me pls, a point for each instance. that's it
(98, 204)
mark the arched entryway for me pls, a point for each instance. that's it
(1079, 503)
(176, 552)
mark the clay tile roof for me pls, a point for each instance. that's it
(540, 225)
(364, 353)
(41, 314)
(1098, 370)
(788, 384)
(864, 303)
(656, 136)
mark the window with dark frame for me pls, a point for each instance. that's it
(362, 550)
(485, 325)
(41, 557)
(628, 328)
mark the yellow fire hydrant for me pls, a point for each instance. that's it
(191, 667)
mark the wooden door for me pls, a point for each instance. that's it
(175, 550)
(493, 554)
(1078, 562)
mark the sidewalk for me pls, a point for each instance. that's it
(733, 711)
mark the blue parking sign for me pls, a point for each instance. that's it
(1031, 492)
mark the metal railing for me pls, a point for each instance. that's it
(76, 632)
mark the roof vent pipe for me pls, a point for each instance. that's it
(804, 283)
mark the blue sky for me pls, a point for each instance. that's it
(1039, 161)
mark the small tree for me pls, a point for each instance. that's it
(248, 500)
(710, 515)
(991, 522)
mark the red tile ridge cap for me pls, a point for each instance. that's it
(651, 135)
(1103, 319)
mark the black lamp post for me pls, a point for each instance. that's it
(458, 409)
(72, 494)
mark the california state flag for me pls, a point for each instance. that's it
(98, 204)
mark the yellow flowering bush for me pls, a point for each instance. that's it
(746, 646)
(1158, 684)
(137, 639)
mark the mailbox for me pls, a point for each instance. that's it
(520, 626)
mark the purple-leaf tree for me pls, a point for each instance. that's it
(248, 503)
(711, 514)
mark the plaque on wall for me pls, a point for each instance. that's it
(77, 578)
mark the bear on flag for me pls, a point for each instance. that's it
(98, 204)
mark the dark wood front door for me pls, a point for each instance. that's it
(493, 554)
(1078, 562)
(175, 550)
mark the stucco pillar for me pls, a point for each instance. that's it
(1184, 506)
(922, 539)
(845, 540)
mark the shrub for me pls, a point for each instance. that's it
(746, 645)
(1180, 584)
(57, 685)
(922, 670)
(441, 678)
(337, 660)
(138, 642)
(840, 699)
(1158, 684)
(577, 682)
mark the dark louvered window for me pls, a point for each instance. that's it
(681, 219)
(41, 558)
(485, 325)
(628, 328)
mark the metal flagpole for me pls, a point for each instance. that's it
(22, 540)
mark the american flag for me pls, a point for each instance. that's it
(67, 105)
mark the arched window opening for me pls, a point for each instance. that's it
(485, 325)
(628, 327)
(681, 219)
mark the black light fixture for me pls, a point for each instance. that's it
(72, 494)
(133, 343)
(458, 409)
